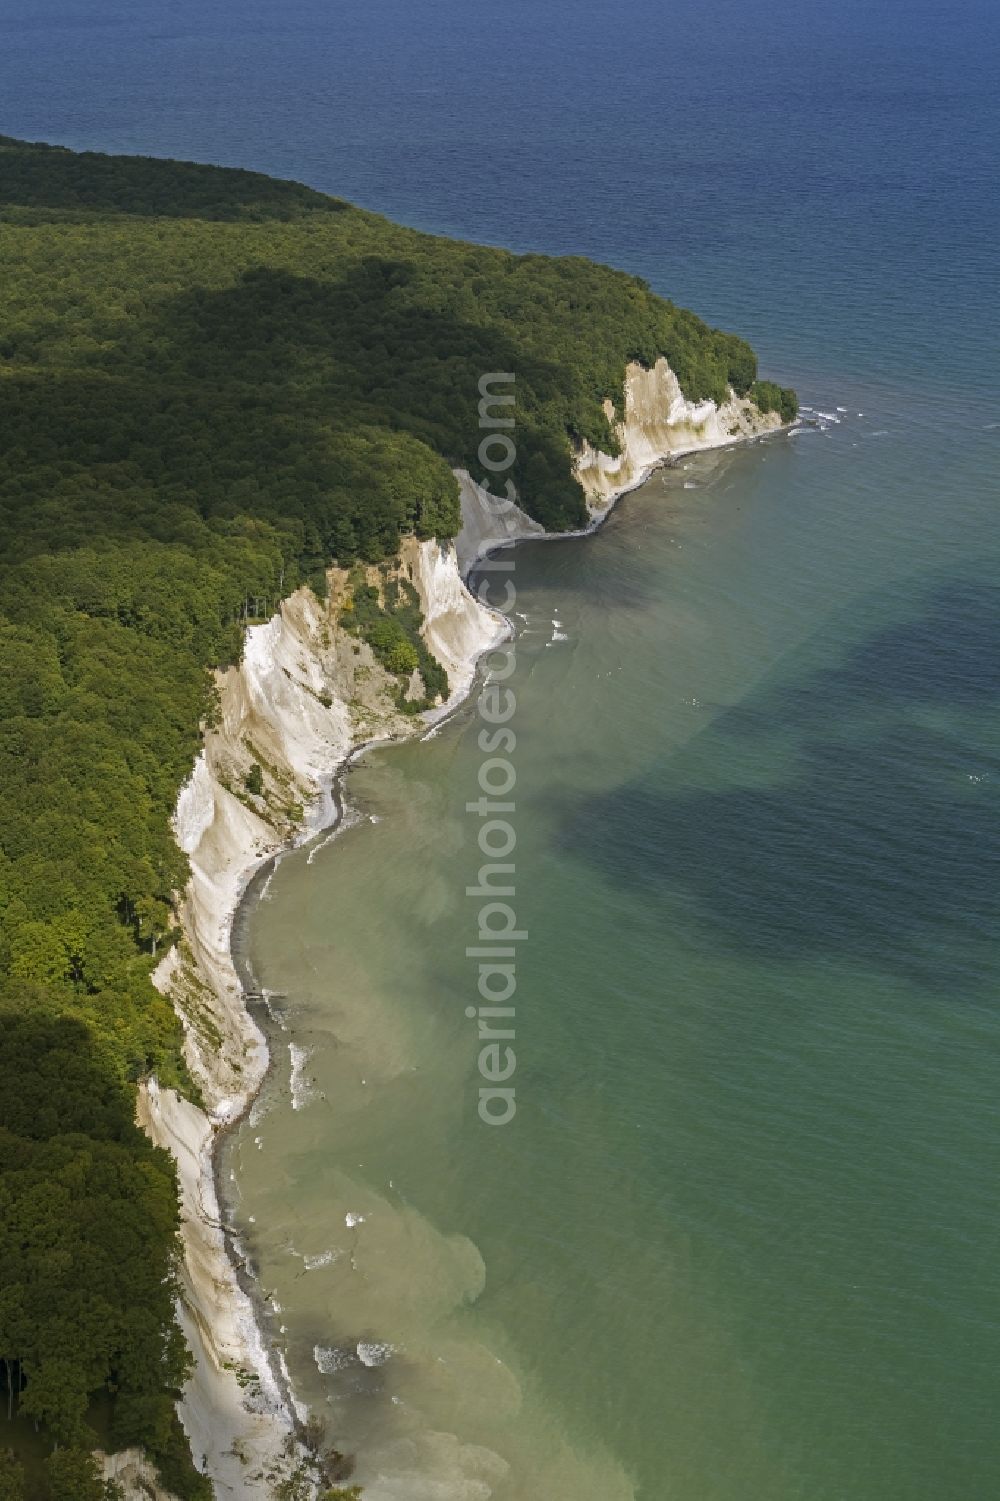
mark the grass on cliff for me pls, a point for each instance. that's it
(212, 385)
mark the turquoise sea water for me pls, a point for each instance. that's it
(740, 1243)
(737, 1240)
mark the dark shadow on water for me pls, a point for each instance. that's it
(881, 843)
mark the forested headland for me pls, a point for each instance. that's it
(212, 386)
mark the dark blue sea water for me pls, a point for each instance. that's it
(742, 1244)
(819, 176)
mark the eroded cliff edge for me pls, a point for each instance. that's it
(658, 423)
(305, 694)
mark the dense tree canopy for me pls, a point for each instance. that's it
(212, 385)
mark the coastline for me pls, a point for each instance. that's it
(659, 427)
(292, 704)
(239, 1408)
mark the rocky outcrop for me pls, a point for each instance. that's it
(456, 627)
(660, 423)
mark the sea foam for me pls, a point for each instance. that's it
(298, 1083)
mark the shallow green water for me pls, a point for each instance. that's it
(734, 1245)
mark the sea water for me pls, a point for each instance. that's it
(739, 1242)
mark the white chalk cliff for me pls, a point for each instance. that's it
(303, 696)
(660, 423)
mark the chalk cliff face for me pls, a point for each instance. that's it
(304, 695)
(660, 422)
(456, 628)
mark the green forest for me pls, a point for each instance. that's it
(212, 386)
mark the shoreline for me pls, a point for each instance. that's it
(239, 1409)
(280, 1441)
(258, 1008)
